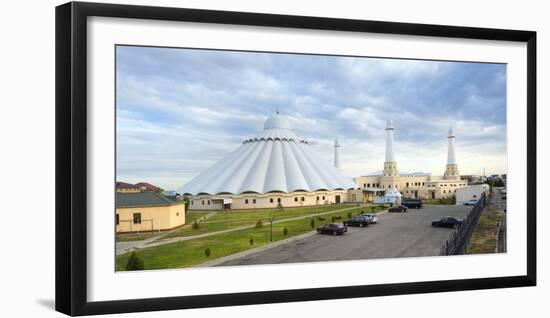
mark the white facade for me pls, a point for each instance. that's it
(274, 167)
(472, 192)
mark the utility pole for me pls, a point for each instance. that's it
(271, 230)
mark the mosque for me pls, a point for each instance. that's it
(278, 168)
(274, 168)
(389, 185)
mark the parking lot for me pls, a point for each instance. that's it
(396, 235)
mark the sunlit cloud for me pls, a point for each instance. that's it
(181, 110)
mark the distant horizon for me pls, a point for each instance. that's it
(181, 110)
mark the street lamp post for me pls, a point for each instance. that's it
(271, 229)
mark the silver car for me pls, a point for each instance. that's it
(372, 218)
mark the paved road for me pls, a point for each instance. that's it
(396, 235)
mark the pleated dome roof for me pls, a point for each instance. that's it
(275, 160)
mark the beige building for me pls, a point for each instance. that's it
(147, 211)
(267, 200)
(410, 185)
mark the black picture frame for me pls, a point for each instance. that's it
(71, 157)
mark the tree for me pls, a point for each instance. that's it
(207, 252)
(195, 225)
(259, 224)
(312, 223)
(251, 241)
(349, 215)
(134, 263)
(285, 231)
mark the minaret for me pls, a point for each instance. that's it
(390, 165)
(451, 171)
(336, 154)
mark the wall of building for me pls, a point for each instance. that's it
(152, 218)
(473, 192)
(411, 186)
(268, 200)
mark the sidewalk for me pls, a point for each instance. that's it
(159, 241)
(128, 246)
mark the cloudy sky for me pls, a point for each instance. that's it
(181, 110)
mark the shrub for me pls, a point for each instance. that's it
(195, 225)
(134, 263)
(251, 241)
(372, 208)
(332, 219)
(207, 252)
(312, 223)
(259, 224)
(285, 231)
(349, 215)
(321, 218)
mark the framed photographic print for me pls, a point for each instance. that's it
(213, 158)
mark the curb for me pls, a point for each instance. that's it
(231, 257)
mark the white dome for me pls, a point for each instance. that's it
(276, 160)
(277, 121)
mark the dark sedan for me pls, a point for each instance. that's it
(449, 221)
(359, 221)
(399, 208)
(332, 228)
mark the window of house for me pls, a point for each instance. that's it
(270, 200)
(208, 202)
(177, 214)
(192, 201)
(117, 219)
(303, 199)
(323, 197)
(407, 185)
(317, 198)
(278, 200)
(246, 201)
(296, 199)
(364, 185)
(202, 202)
(368, 185)
(254, 201)
(137, 218)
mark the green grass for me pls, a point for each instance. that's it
(192, 252)
(134, 236)
(235, 218)
(442, 202)
(484, 237)
(190, 217)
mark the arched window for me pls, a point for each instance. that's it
(270, 200)
(317, 198)
(323, 197)
(208, 202)
(278, 200)
(303, 199)
(245, 201)
(202, 202)
(254, 201)
(296, 199)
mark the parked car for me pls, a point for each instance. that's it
(412, 203)
(359, 221)
(332, 228)
(372, 218)
(470, 202)
(399, 208)
(448, 221)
